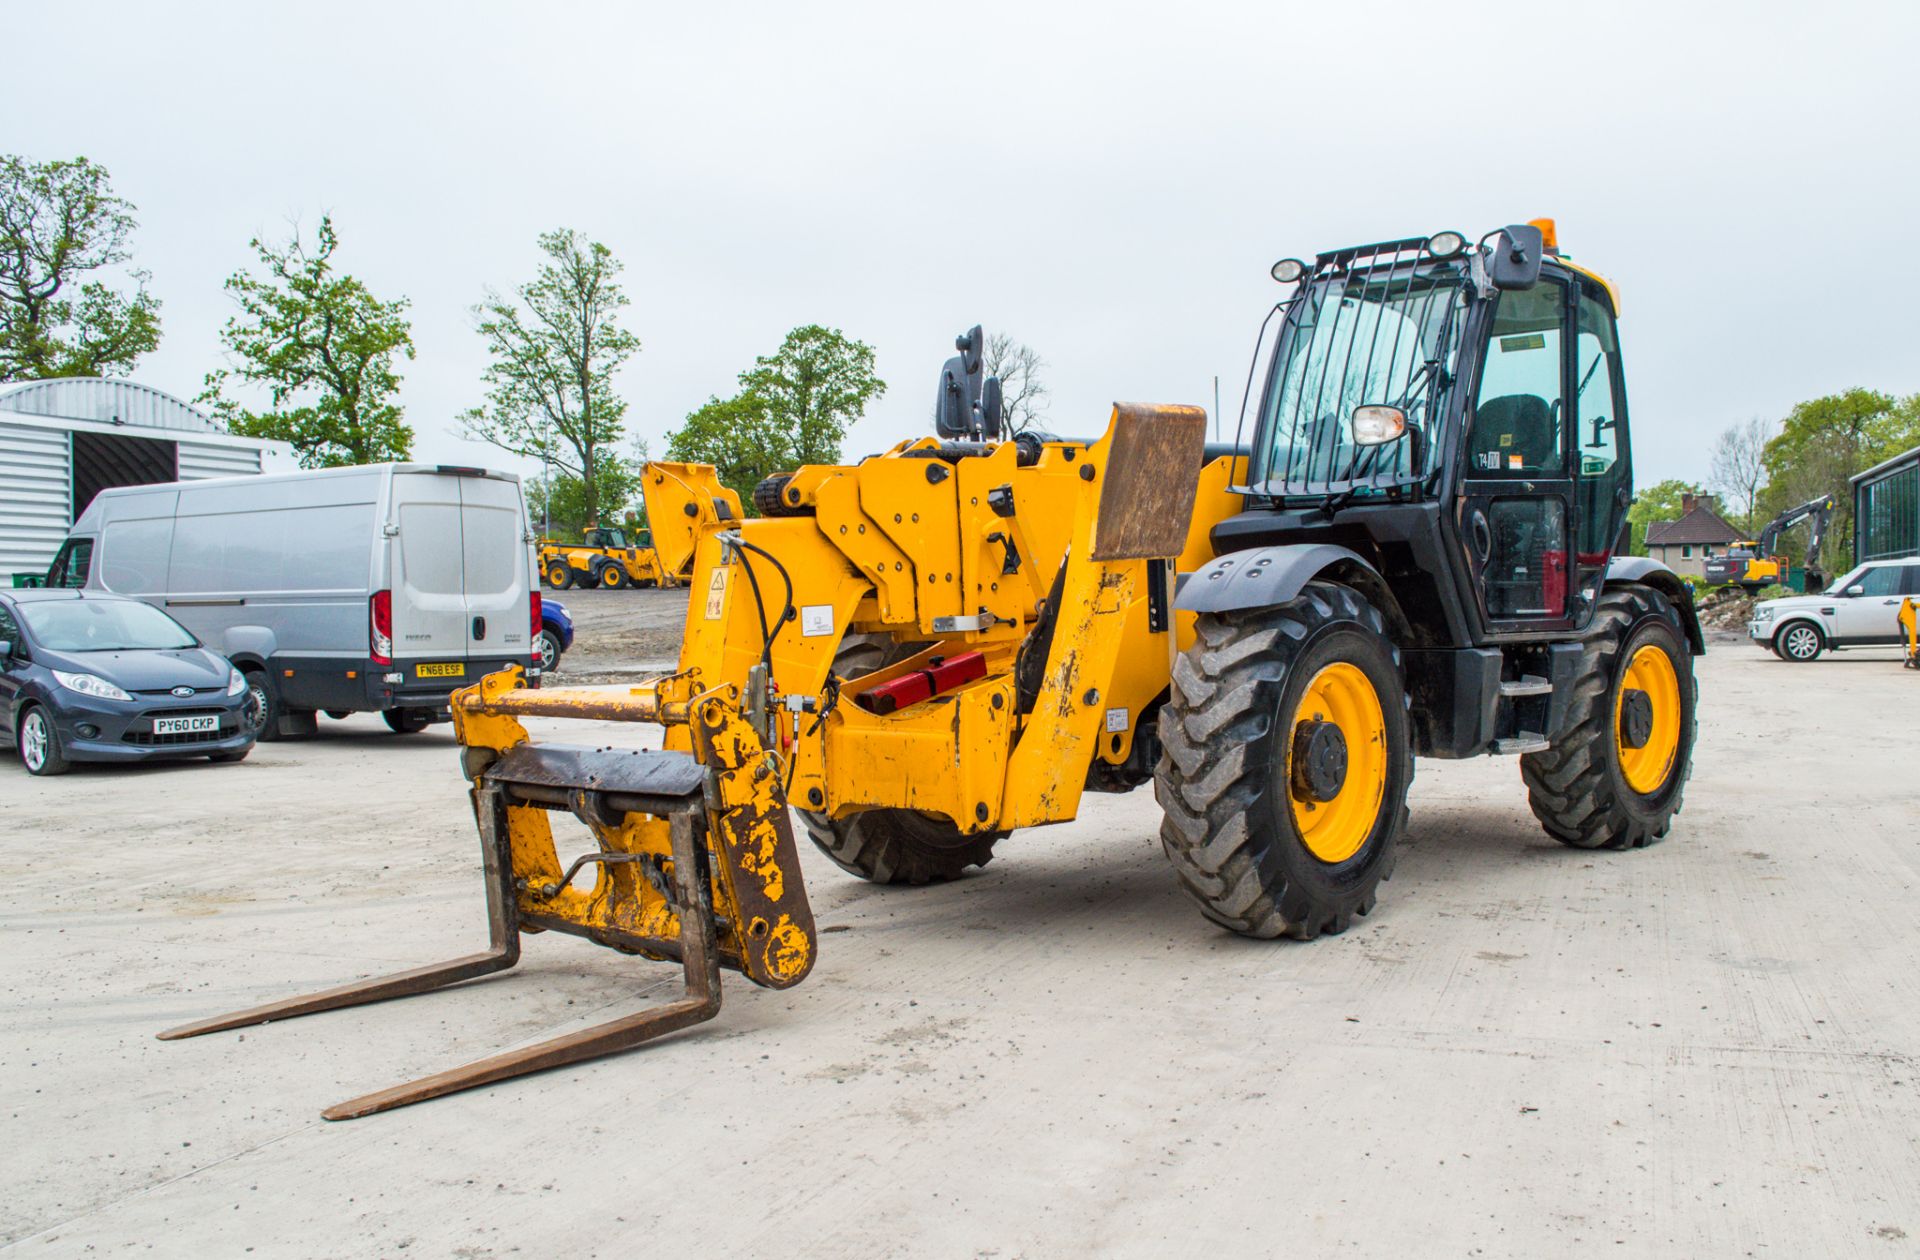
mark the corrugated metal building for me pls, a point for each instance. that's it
(64, 441)
(1886, 509)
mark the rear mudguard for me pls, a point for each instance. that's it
(1646, 571)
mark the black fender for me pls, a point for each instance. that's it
(1646, 571)
(1265, 577)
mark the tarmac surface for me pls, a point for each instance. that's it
(1711, 1047)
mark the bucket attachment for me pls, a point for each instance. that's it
(694, 862)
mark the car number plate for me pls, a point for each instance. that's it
(186, 725)
(442, 669)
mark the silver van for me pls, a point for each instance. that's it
(378, 587)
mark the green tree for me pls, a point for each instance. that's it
(324, 349)
(1824, 442)
(1658, 502)
(59, 224)
(550, 391)
(740, 437)
(816, 384)
(557, 501)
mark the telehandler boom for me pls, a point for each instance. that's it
(926, 650)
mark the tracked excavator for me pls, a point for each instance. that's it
(917, 656)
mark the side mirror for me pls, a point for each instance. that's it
(1517, 255)
(990, 409)
(1855, 591)
(6, 650)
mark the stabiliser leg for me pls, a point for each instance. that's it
(503, 951)
(699, 955)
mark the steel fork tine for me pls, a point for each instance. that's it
(503, 950)
(699, 956)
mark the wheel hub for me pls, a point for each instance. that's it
(1319, 761)
(1636, 718)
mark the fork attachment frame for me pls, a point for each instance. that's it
(695, 862)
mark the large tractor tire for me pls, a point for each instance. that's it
(559, 575)
(613, 576)
(1613, 779)
(893, 846)
(1286, 766)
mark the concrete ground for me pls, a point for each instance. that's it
(1708, 1048)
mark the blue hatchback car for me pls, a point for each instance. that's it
(89, 677)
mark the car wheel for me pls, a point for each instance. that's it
(263, 715)
(405, 721)
(39, 744)
(549, 650)
(1799, 642)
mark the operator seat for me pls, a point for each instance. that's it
(1515, 424)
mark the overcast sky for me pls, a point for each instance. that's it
(1107, 183)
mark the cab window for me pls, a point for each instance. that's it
(71, 566)
(1600, 411)
(1518, 412)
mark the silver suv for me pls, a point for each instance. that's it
(1861, 609)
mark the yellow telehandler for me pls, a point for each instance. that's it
(927, 650)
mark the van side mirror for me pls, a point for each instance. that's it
(1517, 255)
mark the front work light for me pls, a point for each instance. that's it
(1373, 425)
(1446, 244)
(1288, 270)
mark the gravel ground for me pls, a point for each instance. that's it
(620, 635)
(1709, 1048)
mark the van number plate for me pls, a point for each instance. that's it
(186, 725)
(443, 669)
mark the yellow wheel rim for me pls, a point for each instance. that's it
(1343, 696)
(609, 578)
(1651, 672)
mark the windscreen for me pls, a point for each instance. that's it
(1371, 336)
(102, 625)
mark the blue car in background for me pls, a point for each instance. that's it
(556, 633)
(90, 677)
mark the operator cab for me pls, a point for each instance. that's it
(1457, 414)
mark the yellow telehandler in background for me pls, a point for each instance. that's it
(603, 558)
(932, 648)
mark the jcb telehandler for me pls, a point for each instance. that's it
(603, 557)
(934, 647)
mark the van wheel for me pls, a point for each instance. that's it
(406, 721)
(560, 575)
(264, 713)
(39, 744)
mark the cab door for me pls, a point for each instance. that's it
(1516, 488)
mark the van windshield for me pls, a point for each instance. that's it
(103, 625)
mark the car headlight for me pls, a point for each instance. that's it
(236, 681)
(1763, 614)
(89, 685)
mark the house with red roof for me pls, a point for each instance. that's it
(1683, 545)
